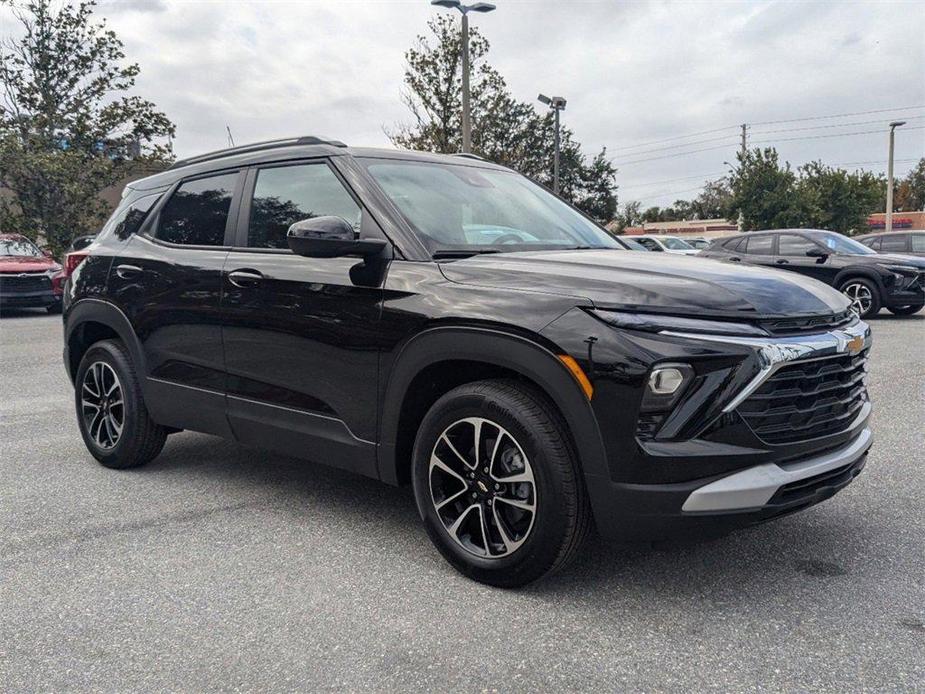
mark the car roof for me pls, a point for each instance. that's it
(890, 233)
(291, 149)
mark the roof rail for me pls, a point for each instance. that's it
(468, 155)
(256, 147)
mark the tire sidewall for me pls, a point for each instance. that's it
(109, 354)
(550, 522)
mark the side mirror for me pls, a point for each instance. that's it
(48, 254)
(330, 237)
(817, 253)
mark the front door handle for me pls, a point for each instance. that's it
(127, 272)
(781, 261)
(244, 278)
(735, 259)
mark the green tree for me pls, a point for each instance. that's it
(909, 192)
(504, 130)
(714, 201)
(68, 127)
(837, 200)
(765, 192)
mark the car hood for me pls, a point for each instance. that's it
(895, 259)
(25, 263)
(653, 282)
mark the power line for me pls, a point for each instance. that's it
(678, 154)
(672, 139)
(833, 125)
(674, 180)
(683, 144)
(880, 161)
(837, 115)
(665, 194)
(823, 137)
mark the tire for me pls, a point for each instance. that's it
(525, 447)
(905, 310)
(864, 296)
(139, 439)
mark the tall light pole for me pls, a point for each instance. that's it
(465, 9)
(889, 176)
(556, 103)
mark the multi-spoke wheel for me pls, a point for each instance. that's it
(111, 412)
(482, 487)
(864, 297)
(497, 483)
(102, 405)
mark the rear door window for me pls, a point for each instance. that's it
(197, 212)
(759, 245)
(918, 243)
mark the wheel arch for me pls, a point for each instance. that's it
(91, 320)
(850, 273)
(439, 359)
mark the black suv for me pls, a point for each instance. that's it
(445, 322)
(869, 279)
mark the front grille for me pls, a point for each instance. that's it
(806, 400)
(812, 324)
(25, 282)
(820, 485)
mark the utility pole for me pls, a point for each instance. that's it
(465, 10)
(889, 177)
(556, 103)
(744, 149)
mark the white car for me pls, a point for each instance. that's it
(668, 244)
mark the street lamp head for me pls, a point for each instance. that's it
(897, 123)
(558, 102)
(449, 4)
(481, 7)
(544, 99)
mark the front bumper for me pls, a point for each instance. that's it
(29, 299)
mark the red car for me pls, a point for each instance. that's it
(28, 277)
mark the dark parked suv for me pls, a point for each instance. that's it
(869, 279)
(445, 322)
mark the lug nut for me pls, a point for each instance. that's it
(497, 485)
(485, 470)
(474, 495)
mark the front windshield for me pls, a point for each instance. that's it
(673, 244)
(19, 247)
(477, 210)
(842, 245)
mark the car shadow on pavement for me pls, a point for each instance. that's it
(777, 556)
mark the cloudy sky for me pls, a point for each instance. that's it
(678, 75)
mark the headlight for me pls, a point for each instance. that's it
(655, 323)
(900, 269)
(51, 272)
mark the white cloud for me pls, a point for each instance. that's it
(632, 72)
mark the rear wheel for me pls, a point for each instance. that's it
(497, 483)
(111, 413)
(864, 296)
(906, 310)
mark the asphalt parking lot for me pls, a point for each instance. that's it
(219, 567)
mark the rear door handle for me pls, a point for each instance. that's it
(127, 272)
(735, 259)
(244, 278)
(782, 262)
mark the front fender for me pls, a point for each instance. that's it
(533, 361)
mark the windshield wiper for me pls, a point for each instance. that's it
(462, 252)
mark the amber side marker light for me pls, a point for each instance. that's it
(579, 375)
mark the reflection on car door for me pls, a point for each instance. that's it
(168, 284)
(759, 250)
(791, 255)
(300, 334)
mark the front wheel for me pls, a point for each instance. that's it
(906, 310)
(497, 483)
(864, 296)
